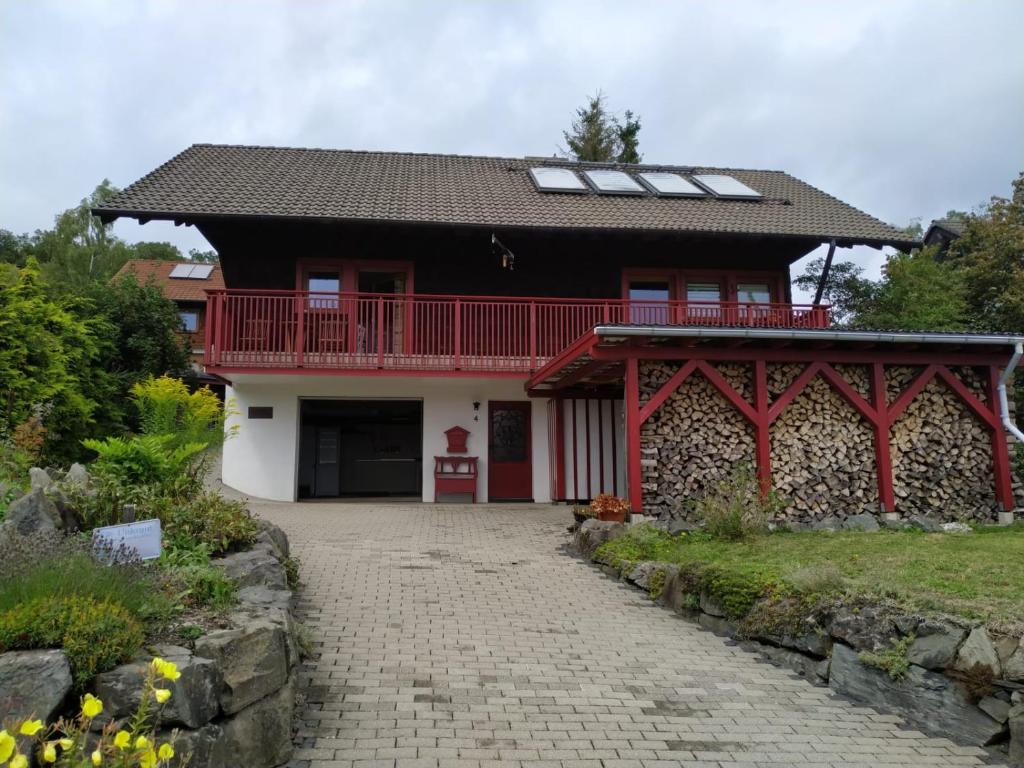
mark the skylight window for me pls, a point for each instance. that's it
(726, 186)
(556, 180)
(192, 271)
(671, 184)
(613, 182)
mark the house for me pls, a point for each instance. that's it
(186, 284)
(595, 328)
(942, 232)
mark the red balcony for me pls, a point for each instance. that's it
(302, 330)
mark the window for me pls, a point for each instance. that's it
(323, 287)
(753, 293)
(556, 180)
(703, 292)
(189, 321)
(649, 301)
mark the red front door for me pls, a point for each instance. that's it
(509, 468)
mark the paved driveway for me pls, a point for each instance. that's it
(463, 636)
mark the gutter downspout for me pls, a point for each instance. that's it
(1007, 518)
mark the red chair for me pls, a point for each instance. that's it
(455, 474)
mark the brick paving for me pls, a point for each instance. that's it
(463, 637)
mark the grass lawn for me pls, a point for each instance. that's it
(979, 575)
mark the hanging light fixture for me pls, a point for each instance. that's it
(508, 259)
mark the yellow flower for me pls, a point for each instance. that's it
(50, 753)
(168, 670)
(91, 706)
(66, 744)
(31, 727)
(142, 743)
(166, 752)
(147, 759)
(122, 740)
(7, 745)
(19, 761)
(162, 695)
(97, 757)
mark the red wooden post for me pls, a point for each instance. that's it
(882, 426)
(533, 336)
(458, 334)
(300, 328)
(380, 332)
(1000, 453)
(559, 448)
(575, 458)
(633, 473)
(762, 427)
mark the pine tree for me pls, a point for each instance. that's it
(598, 136)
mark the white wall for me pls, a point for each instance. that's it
(262, 459)
(601, 442)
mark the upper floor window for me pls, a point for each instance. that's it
(189, 321)
(753, 293)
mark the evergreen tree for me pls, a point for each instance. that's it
(598, 136)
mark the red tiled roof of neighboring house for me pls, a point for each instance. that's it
(174, 288)
(216, 181)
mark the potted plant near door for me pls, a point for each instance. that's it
(611, 509)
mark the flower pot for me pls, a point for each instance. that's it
(612, 517)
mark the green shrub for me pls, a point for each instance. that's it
(893, 661)
(58, 566)
(221, 524)
(823, 578)
(96, 635)
(735, 509)
(144, 460)
(292, 566)
(196, 579)
(166, 407)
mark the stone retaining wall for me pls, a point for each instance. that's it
(234, 702)
(961, 681)
(822, 450)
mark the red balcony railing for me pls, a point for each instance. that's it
(357, 331)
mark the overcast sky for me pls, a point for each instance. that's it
(903, 109)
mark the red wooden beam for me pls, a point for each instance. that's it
(793, 355)
(666, 390)
(579, 374)
(632, 406)
(762, 427)
(793, 390)
(883, 453)
(981, 410)
(1000, 453)
(913, 390)
(730, 394)
(848, 393)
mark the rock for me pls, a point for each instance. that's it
(1005, 645)
(32, 513)
(254, 568)
(253, 659)
(77, 477)
(673, 526)
(867, 628)
(956, 528)
(925, 523)
(204, 745)
(862, 522)
(1016, 721)
(594, 533)
(33, 683)
(643, 572)
(676, 597)
(1014, 667)
(264, 596)
(259, 736)
(716, 624)
(278, 615)
(39, 479)
(193, 702)
(805, 666)
(830, 523)
(275, 534)
(711, 606)
(935, 644)
(978, 649)
(997, 709)
(926, 697)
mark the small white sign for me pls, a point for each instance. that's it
(142, 538)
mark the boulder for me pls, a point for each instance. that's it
(997, 709)
(39, 479)
(935, 644)
(925, 523)
(978, 649)
(815, 670)
(204, 745)
(673, 526)
(259, 736)
(866, 628)
(276, 614)
(254, 568)
(33, 684)
(31, 514)
(861, 522)
(716, 624)
(594, 533)
(253, 659)
(675, 596)
(77, 477)
(830, 523)
(1016, 721)
(643, 572)
(956, 528)
(193, 702)
(264, 596)
(1013, 669)
(933, 700)
(273, 535)
(711, 606)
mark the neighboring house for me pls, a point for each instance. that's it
(185, 283)
(596, 328)
(944, 231)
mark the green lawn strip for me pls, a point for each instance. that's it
(978, 575)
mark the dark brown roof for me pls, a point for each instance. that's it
(174, 288)
(208, 181)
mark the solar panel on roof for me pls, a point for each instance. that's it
(181, 270)
(671, 184)
(613, 182)
(192, 271)
(201, 271)
(556, 180)
(725, 186)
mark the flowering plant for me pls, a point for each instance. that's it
(610, 507)
(66, 743)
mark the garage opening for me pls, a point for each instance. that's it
(360, 449)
